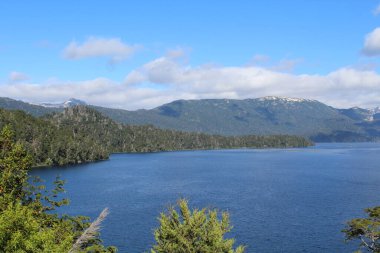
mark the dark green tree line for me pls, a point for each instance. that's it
(26, 221)
(81, 134)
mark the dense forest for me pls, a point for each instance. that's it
(81, 134)
(232, 117)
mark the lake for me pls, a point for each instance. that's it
(284, 200)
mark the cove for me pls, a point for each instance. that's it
(280, 200)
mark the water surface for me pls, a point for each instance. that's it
(289, 200)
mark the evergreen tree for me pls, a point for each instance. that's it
(190, 231)
(366, 230)
(25, 223)
(14, 165)
(81, 134)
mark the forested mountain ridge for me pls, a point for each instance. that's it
(81, 134)
(50, 144)
(262, 116)
(230, 117)
(35, 110)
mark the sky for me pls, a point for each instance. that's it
(141, 54)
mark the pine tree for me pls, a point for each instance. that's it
(189, 231)
(26, 225)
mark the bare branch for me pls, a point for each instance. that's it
(91, 232)
(366, 244)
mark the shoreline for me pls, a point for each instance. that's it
(42, 166)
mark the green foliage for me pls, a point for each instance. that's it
(52, 144)
(26, 225)
(234, 117)
(309, 118)
(366, 230)
(14, 165)
(81, 134)
(21, 230)
(189, 231)
(35, 110)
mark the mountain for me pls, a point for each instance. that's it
(35, 110)
(81, 134)
(260, 116)
(360, 114)
(68, 103)
(263, 116)
(38, 109)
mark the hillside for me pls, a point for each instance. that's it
(49, 143)
(81, 134)
(35, 110)
(261, 116)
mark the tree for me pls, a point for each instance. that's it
(189, 231)
(21, 230)
(26, 225)
(14, 166)
(366, 230)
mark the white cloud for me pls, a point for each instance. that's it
(372, 43)
(112, 48)
(15, 76)
(365, 65)
(376, 11)
(177, 53)
(286, 65)
(345, 87)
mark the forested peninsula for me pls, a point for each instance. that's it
(81, 134)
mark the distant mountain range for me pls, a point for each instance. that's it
(261, 116)
(81, 134)
(68, 103)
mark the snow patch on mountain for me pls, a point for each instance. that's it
(372, 112)
(68, 103)
(285, 99)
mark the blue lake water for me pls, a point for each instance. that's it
(289, 200)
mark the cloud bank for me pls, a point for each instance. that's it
(168, 78)
(372, 43)
(112, 48)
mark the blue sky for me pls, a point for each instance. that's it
(141, 54)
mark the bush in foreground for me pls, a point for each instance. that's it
(189, 231)
(366, 230)
(26, 223)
